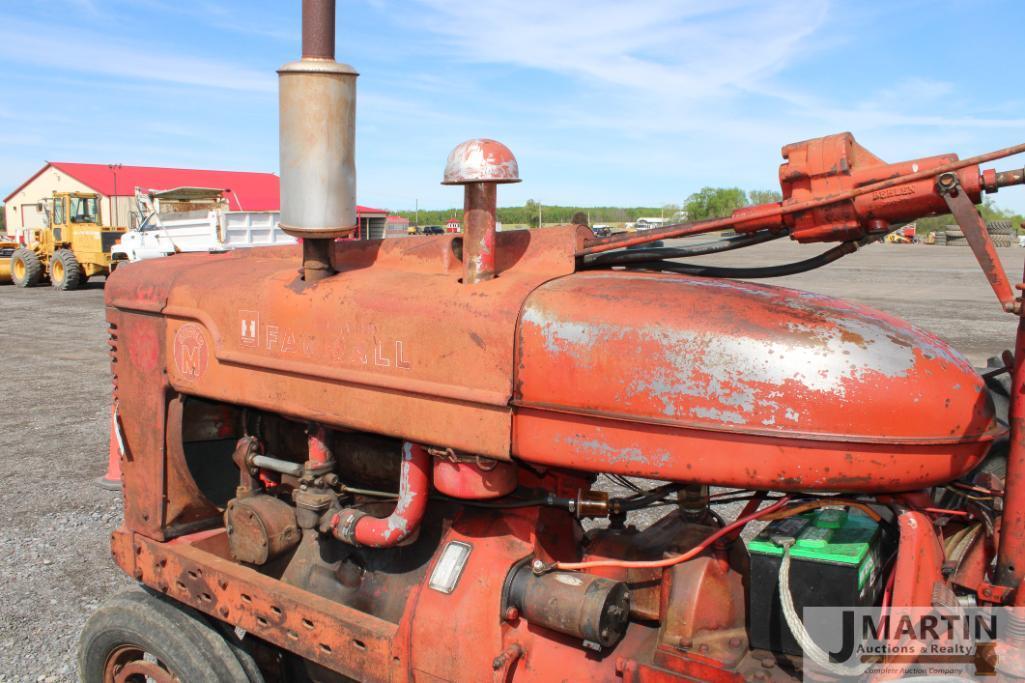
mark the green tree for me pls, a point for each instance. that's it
(714, 202)
(530, 211)
(764, 196)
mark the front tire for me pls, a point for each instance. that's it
(26, 268)
(138, 636)
(65, 272)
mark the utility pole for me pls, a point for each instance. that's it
(115, 214)
(417, 222)
(539, 214)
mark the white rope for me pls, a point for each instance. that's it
(117, 429)
(801, 635)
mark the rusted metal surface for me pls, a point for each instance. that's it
(317, 127)
(590, 608)
(1011, 556)
(977, 235)
(697, 380)
(364, 349)
(318, 29)
(918, 580)
(704, 609)
(357, 527)
(671, 666)
(765, 374)
(191, 571)
(481, 161)
(1008, 178)
(891, 192)
(317, 259)
(479, 233)
(195, 570)
(260, 528)
(480, 165)
(128, 663)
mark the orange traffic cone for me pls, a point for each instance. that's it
(112, 479)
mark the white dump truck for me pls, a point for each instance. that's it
(189, 219)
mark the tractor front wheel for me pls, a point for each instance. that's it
(137, 636)
(26, 268)
(65, 272)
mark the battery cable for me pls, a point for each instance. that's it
(810, 648)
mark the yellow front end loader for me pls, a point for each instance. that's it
(7, 249)
(73, 247)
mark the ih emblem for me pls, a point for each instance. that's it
(190, 351)
(250, 328)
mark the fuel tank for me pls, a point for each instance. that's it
(740, 384)
(664, 376)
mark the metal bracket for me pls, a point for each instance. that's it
(967, 216)
(992, 593)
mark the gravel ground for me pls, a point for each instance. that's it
(55, 401)
(54, 543)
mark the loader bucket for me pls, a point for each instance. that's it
(6, 250)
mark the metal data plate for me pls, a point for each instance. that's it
(450, 566)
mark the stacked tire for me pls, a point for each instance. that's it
(955, 237)
(1001, 232)
(940, 238)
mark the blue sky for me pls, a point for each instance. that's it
(603, 102)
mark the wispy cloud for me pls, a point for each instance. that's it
(693, 61)
(66, 49)
(663, 47)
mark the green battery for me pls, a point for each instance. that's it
(836, 561)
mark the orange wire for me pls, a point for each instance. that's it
(825, 502)
(944, 511)
(676, 559)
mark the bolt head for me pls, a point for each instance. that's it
(481, 161)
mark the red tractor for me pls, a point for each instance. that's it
(371, 460)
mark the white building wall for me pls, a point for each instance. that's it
(21, 210)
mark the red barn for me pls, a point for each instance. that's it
(116, 183)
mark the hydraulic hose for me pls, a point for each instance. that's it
(358, 528)
(823, 259)
(619, 258)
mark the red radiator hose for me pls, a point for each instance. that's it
(359, 528)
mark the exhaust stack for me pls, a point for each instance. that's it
(317, 99)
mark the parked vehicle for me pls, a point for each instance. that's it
(433, 230)
(73, 247)
(191, 219)
(7, 249)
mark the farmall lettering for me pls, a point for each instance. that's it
(364, 346)
(271, 336)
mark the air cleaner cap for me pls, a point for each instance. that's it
(481, 160)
